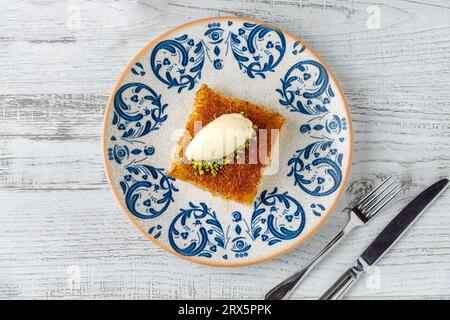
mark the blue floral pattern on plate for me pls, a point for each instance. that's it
(149, 104)
(257, 49)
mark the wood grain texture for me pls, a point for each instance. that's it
(58, 216)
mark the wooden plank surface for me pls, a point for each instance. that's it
(62, 234)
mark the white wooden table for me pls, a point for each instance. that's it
(62, 234)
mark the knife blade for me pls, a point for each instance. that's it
(392, 232)
(386, 239)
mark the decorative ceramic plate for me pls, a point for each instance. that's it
(249, 60)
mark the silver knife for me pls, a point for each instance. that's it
(385, 240)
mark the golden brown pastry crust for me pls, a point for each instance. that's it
(238, 182)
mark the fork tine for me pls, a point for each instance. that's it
(376, 210)
(363, 200)
(376, 196)
(381, 197)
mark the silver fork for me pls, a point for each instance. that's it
(360, 214)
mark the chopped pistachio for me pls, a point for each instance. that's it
(214, 167)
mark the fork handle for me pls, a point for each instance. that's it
(285, 288)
